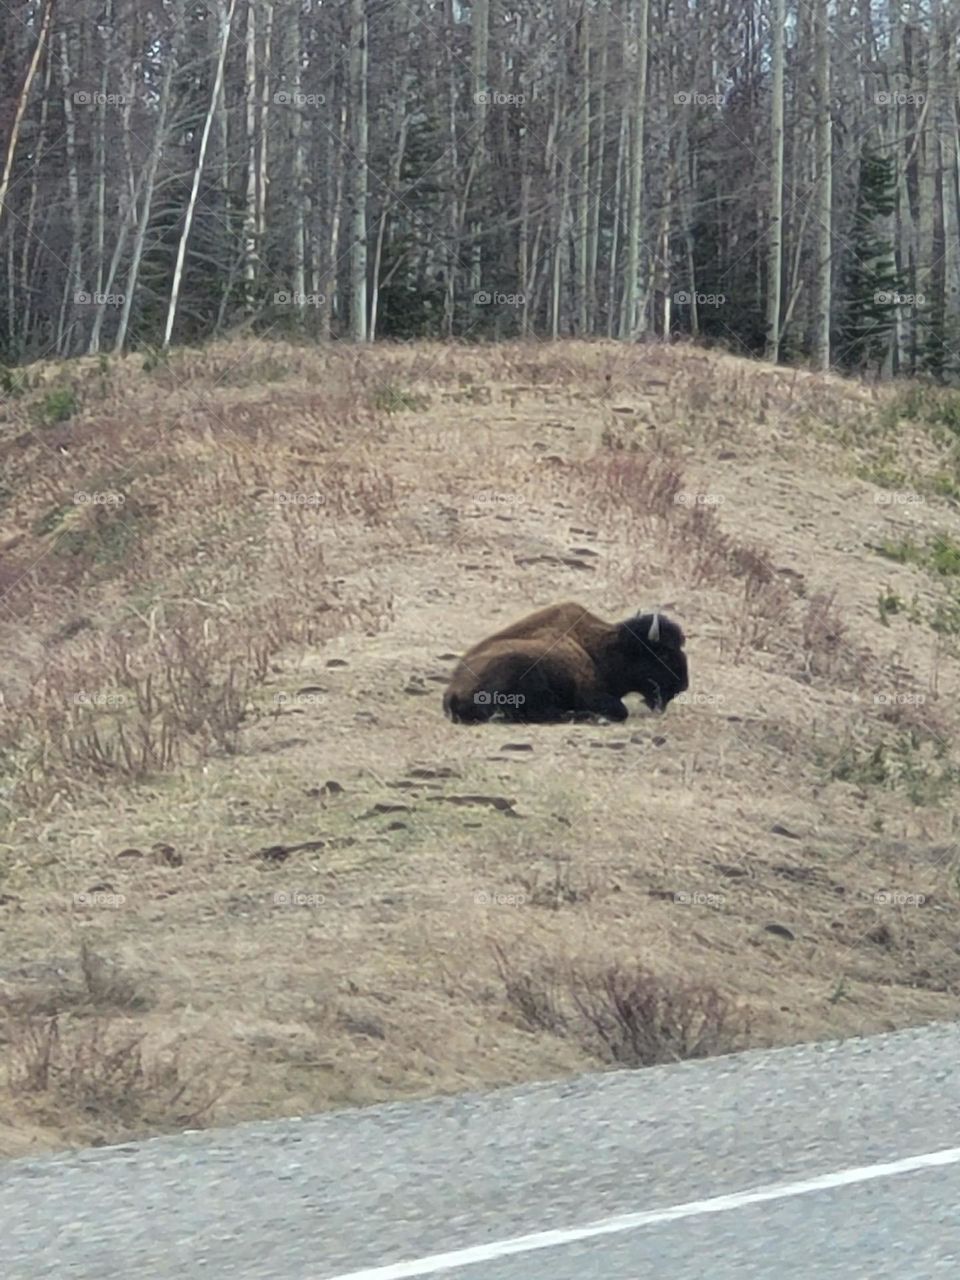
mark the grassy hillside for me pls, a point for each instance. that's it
(248, 869)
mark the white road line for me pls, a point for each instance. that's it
(631, 1221)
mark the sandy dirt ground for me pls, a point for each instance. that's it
(350, 903)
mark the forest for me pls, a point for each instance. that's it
(776, 176)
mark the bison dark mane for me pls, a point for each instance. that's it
(563, 661)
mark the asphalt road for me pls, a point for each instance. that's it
(839, 1159)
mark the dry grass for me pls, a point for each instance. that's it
(247, 869)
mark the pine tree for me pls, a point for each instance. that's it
(872, 287)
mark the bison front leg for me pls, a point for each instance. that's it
(604, 704)
(594, 700)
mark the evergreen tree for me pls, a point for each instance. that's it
(871, 286)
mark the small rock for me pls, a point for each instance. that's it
(778, 829)
(732, 872)
(167, 854)
(336, 662)
(780, 930)
(385, 808)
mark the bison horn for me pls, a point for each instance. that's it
(653, 635)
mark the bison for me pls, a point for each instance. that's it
(563, 661)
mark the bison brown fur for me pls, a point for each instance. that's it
(563, 661)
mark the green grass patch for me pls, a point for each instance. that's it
(931, 406)
(919, 765)
(940, 556)
(392, 399)
(58, 405)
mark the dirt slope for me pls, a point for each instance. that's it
(275, 879)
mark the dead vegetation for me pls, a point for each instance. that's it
(627, 1015)
(247, 869)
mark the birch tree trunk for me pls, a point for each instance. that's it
(775, 227)
(72, 293)
(22, 104)
(250, 206)
(301, 199)
(824, 179)
(262, 170)
(598, 186)
(188, 222)
(582, 161)
(634, 303)
(358, 170)
(147, 179)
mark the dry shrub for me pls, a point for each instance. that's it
(559, 887)
(145, 700)
(365, 492)
(630, 1016)
(642, 485)
(709, 555)
(763, 608)
(99, 985)
(918, 718)
(645, 487)
(97, 1070)
(826, 650)
(535, 997)
(105, 983)
(236, 583)
(639, 1019)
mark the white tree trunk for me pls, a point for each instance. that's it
(775, 215)
(824, 180)
(634, 303)
(358, 170)
(191, 206)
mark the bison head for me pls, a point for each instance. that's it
(651, 659)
